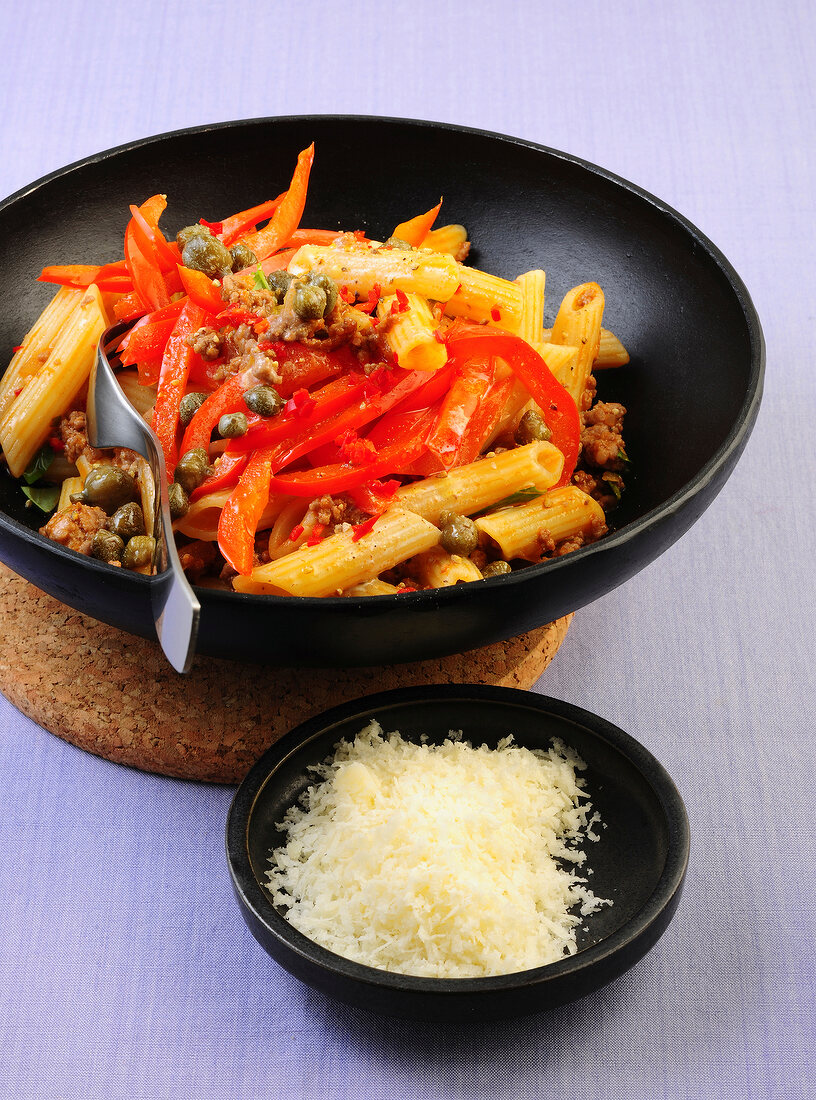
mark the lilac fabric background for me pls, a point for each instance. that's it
(125, 969)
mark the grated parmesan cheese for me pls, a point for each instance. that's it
(439, 860)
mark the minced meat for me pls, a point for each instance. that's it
(75, 527)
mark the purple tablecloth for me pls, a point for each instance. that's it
(126, 971)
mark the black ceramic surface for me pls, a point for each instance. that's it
(692, 389)
(639, 861)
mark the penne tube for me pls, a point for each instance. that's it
(371, 588)
(471, 488)
(339, 562)
(521, 532)
(485, 298)
(36, 345)
(201, 520)
(436, 568)
(57, 382)
(291, 515)
(450, 239)
(560, 358)
(70, 485)
(412, 335)
(611, 352)
(430, 274)
(532, 285)
(578, 324)
(142, 398)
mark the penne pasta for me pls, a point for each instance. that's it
(471, 488)
(430, 274)
(339, 562)
(450, 239)
(531, 324)
(611, 352)
(70, 485)
(522, 531)
(201, 520)
(412, 335)
(485, 298)
(436, 568)
(50, 391)
(371, 588)
(578, 324)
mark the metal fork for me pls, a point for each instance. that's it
(113, 422)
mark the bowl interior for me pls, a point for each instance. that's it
(637, 862)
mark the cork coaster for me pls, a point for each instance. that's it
(114, 694)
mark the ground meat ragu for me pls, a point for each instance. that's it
(601, 438)
(75, 527)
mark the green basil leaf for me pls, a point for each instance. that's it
(45, 497)
(38, 465)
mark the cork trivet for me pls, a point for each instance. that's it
(114, 694)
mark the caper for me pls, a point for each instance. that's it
(327, 285)
(107, 546)
(190, 404)
(232, 424)
(191, 469)
(263, 400)
(208, 255)
(279, 283)
(179, 501)
(106, 487)
(459, 534)
(139, 552)
(127, 521)
(397, 242)
(531, 429)
(309, 301)
(188, 232)
(496, 569)
(242, 256)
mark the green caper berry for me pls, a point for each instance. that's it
(139, 552)
(107, 546)
(192, 469)
(327, 285)
(263, 400)
(279, 283)
(128, 521)
(179, 501)
(190, 404)
(309, 302)
(397, 242)
(532, 429)
(459, 535)
(242, 256)
(188, 232)
(232, 425)
(208, 255)
(106, 487)
(496, 569)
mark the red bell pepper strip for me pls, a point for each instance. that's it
(111, 277)
(129, 307)
(241, 514)
(235, 226)
(417, 229)
(286, 218)
(472, 379)
(147, 342)
(201, 289)
(557, 406)
(483, 422)
(228, 398)
(150, 237)
(277, 262)
(340, 477)
(178, 357)
(313, 236)
(375, 496)
(145, 273)
(226, 471)
(303, 367)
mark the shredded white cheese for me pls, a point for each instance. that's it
(441, 861)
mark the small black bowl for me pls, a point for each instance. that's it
(639, 861)
(692, 389)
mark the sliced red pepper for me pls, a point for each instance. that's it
(147, 342)
(150, 236)
(557, 406)
(217, 228)
(242, 513)
(316, 535)
(237, 224)
(110, 277)
(339, 477)
(286, 218)
(362, 529)
(471, 381)
(301, 367)
(373, 298)
(201, 289)
(237, 315)
(417, 229)
(375, 496)
(129, 307)
(226, 471)
(278, 262)
(145, 272)
(483, 422)
(228, 398)
(176, 363)
(313, 236)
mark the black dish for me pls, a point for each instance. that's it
(692, 390)
(639, 862)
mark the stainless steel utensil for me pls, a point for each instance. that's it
(113, 422)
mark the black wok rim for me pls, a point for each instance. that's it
(730, 448)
